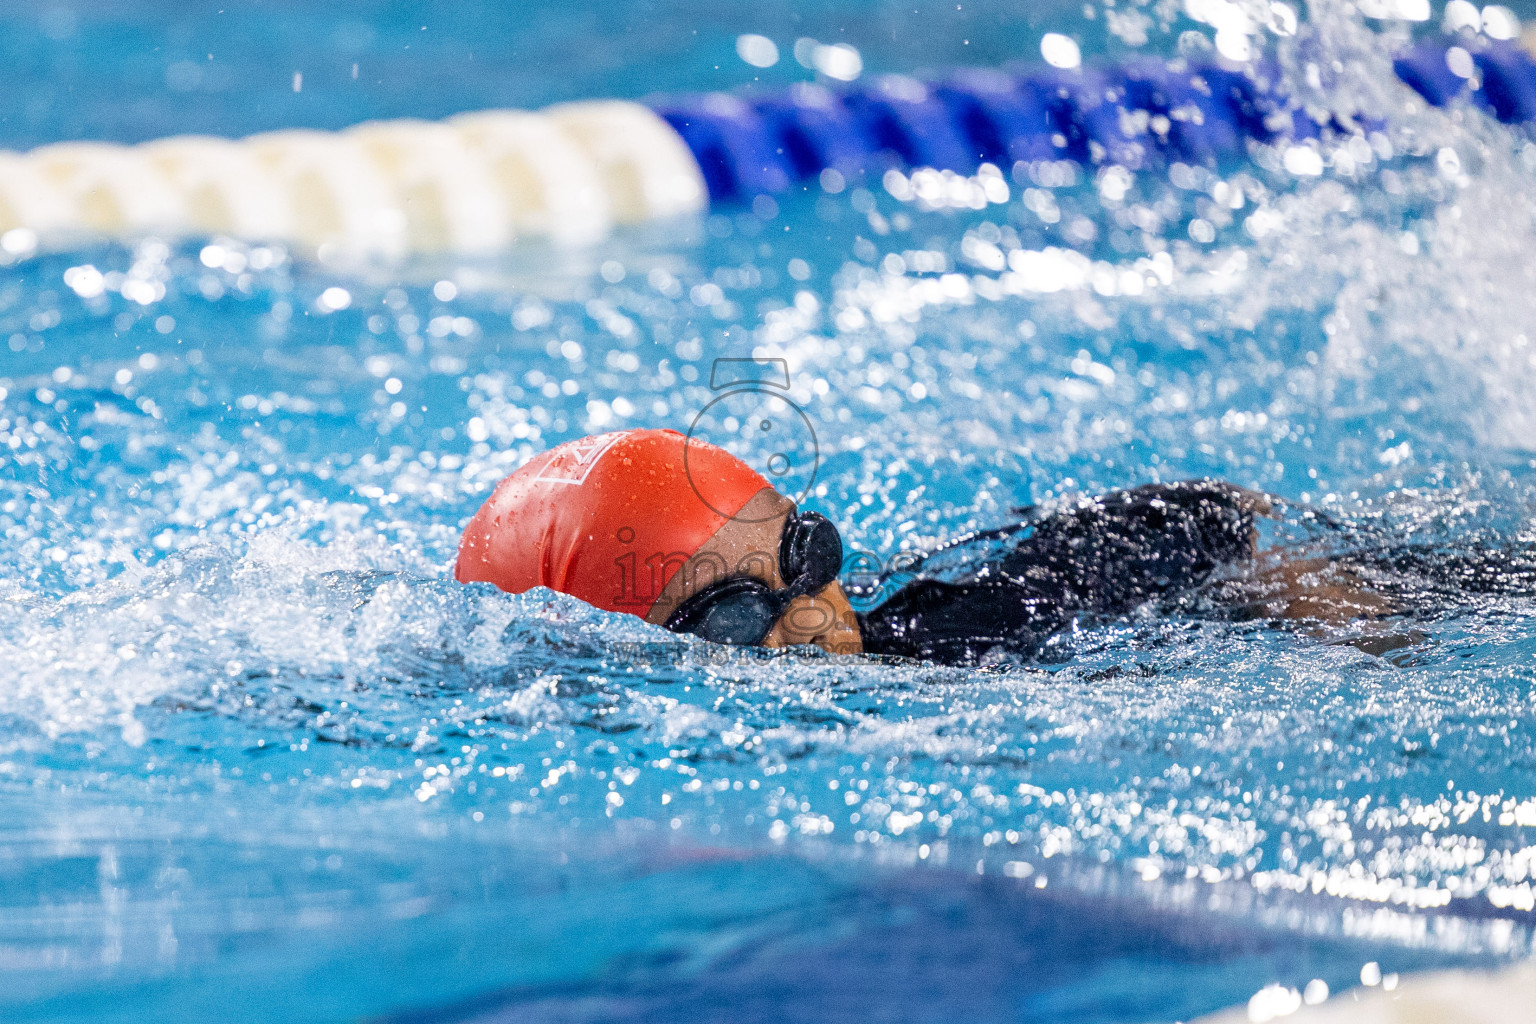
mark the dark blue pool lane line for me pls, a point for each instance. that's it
(1135, 113)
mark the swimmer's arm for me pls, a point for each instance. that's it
(1322, 592)
(1286, 586)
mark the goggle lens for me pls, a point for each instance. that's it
(744, 618)
(742, 610)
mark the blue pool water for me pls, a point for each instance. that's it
(262, 759)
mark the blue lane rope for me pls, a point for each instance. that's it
(1134, 113)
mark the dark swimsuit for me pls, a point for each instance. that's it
(1012, 589)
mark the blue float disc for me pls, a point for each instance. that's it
(1001, 122)
(901, 117)
(1509, 82)
(1254, 106)
(1424, 68)
(813, 131)
(730, 143)
(1183, 120)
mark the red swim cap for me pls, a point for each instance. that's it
(607, 519)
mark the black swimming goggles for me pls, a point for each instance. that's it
(742, 610)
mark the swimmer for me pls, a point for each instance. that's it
(686, 536)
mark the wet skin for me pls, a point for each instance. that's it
(748, 545)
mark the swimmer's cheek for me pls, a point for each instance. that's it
(845, 639)
(661, 610)
(843, 636)
(825, 619)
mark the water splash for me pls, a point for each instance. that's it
(229, 505)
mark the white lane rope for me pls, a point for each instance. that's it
(474, 184)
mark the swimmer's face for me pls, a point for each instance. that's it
(748, 545)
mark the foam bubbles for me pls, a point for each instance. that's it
(758, 51)
(1060, 51)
